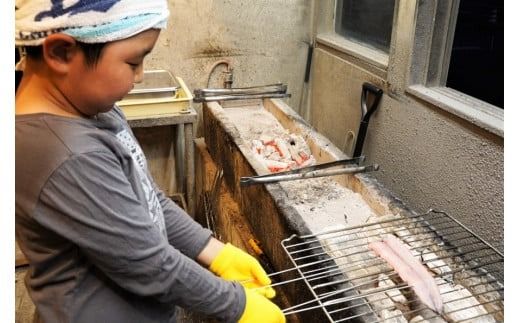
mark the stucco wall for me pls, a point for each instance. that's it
(266, 42)
(428, 157)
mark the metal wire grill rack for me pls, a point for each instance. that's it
(351, 284)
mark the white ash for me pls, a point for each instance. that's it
(395, 316)
(274, 146)
(254, 122)
(418, 319)
(324, 204)
(460, 304)
(394, 293)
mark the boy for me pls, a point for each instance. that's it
(103, 242)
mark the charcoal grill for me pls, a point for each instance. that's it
(351, 284)
(333, 276)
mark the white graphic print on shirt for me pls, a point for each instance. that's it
(154, 207)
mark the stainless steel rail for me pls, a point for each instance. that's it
(348, 166)
(277, 90)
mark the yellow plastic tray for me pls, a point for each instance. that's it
(153, 107)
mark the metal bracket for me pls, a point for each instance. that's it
(277, 90)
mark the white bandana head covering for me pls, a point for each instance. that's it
(88, 21)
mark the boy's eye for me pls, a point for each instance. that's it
(134, 65)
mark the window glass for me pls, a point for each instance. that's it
(477, 57)
(366, 21)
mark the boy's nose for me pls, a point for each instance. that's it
(138, 76)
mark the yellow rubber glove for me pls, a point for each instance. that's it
(231, 263)
(260, 309)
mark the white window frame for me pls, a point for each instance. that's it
(435, 23)
(375, 60)
(424, 30)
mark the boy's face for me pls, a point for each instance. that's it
(96, 88)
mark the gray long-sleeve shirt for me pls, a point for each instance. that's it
(103, 243)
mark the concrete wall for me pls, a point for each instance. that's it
(429, 157)
(265, 41)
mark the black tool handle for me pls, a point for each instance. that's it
(366, 113)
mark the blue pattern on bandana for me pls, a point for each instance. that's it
(57, 9)
(108, 28)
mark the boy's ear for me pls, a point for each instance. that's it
(58, 51)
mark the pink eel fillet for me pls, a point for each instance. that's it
(399, 257)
